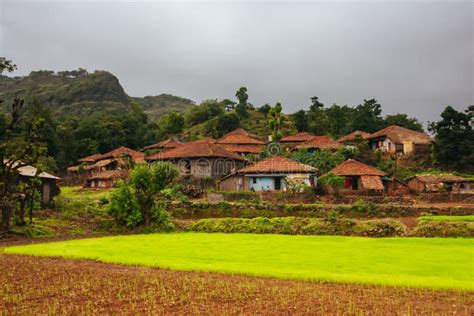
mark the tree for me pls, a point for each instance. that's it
(242, 107)
(18, 148)
(242, 95)
(265, 109)
(135, 201)
(367, 116)
(171, 124)
(454, 139)
(226, 123)
(317, 119)
(333, 181)
(404, 121)
(315, 104)
(276, 122)
(324, 160)
(301, 120)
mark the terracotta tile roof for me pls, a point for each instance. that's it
(91, 158)
(165, 144)
(116, 153)
(353, 135)
(372, 182)
(400, 134)
(109, 174)
(319, 142)
(240, 137)
(277, 164)
(204, 148)
(355, 168)
(119, 152)
(245, 149)
(299, 137)
(433, 179)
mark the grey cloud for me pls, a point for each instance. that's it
(414, 57)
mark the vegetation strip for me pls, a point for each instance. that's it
(413, 262)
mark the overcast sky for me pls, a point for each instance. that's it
(414, 57)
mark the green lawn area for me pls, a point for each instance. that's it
(77, 192)
(447, 218)
(414, 262)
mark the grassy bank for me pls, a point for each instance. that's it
(414, 262)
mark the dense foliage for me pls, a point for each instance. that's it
(134, 202)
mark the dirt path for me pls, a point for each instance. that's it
(35, 285)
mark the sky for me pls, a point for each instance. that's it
(414, 57)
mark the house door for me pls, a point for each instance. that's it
(277, 183)
(46, 194)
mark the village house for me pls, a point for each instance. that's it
(113, 160)
(295, 139)
(351, 138)
(201, 159)
(166, 144)
(241, 142)
(48, 188)
(359, 178)
(105, 179)
(399, 140)
(441, 183)
(319, 143)
(273, 173)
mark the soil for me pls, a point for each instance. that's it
(37, 285)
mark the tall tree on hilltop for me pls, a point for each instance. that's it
(367, 116)
(317, 119)
(276, 122)
(242, 107)
(301, 120)
(454, 139)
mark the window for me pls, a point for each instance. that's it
(254, 180)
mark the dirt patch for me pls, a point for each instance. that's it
(35, 285)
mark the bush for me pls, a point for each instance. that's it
(192, 191)
(444, 229)
(301, 226)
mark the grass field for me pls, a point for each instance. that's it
(414, 262)
(447, 218)
(77, 192)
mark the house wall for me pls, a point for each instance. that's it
(233, 183)
(200, 168)
(386, 145)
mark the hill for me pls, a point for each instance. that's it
(156, 106)
(79, 93)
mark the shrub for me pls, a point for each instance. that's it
(444, 229)
(192, 191)
(296, 225)
(134, 202)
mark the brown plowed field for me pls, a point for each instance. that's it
(35, 285)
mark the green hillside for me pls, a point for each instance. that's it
(78, 93)
(156, 106)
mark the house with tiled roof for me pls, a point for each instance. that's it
(319, 143)
(241, 142)
(105, 179)
(295, 139)
(427, 183)
(169, 143)
(117, 159)
(359, 177)
(351, 138)
(201, 159)
(400, 140)
(272, 173)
